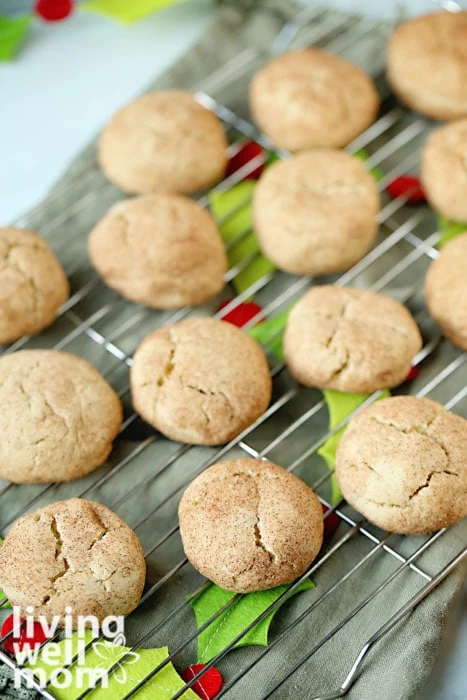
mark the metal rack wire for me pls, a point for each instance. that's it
(96, 323)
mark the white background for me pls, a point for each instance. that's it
(66, 82)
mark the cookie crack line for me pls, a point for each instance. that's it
(415, 493)
(58, 555)
(417, 429)
(259, 541)
(211, 392)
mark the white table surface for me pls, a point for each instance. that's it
(63, 87)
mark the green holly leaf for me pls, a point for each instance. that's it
(125, 11)
(234, 206)
(340, 405)
(12, 32)
(271, 333)
(449, 229)
(376, 172)
(138, 664)
(236, 618)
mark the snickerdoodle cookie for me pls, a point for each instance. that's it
(316, 213)
(248, 525)
(161, 250)
(350, 340)
(33, 285)
(200, 381)
(163, 142)
(402, 463)
(58, 417)
(309, 98)
(446, 290)
(444, 170)
(427, 64)
(75, 554)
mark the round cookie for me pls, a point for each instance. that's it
(33, 285)
(163, 142)
(200, 381)
(316, 213)
(444, 170)
(75, 554)
(350, 340)
(58, 417)
(161, 250)
(402, 464)
(309, 97)
(427, 64)
(446, 290)
(248, 525)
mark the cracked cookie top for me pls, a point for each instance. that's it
(58, 417)
(309, 97)
(33, 285)
(402, 463)
(248, 525)
(200, 381)
(316, 212)
(163, 141)
(444, 169)
(427, 64)
(73, 553)
(446, 290)
(350, 340)
(161, 250)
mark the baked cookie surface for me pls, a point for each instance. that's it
(161, 250)
(74, 553)
(316, 213)
(163, 142)
(446, 290)
(58, 417)
(350, 340)
(402, 463)
(200, 381)
(33, 285)
(248, 525)
(444, 170)
(309, 97)
(427, 64)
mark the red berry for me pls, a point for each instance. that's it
(407, 186)
(210, 683)
(53, 10)
(331, 523)
(413, 374)
(246, 153)
(242, 313)
(20, 637)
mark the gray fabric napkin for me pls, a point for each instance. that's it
(401, 661)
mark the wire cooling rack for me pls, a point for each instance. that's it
(147, 474)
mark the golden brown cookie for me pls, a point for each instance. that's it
(446, 290)
(33, 285)
(200, 381)
(309, 97)
(444, 170)
(58, 417)
(350, 340)
(163, 142)
(316, 213)
(248, 525)
(72, 553)
(161, 250)
(427, 64)
(402, 463)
